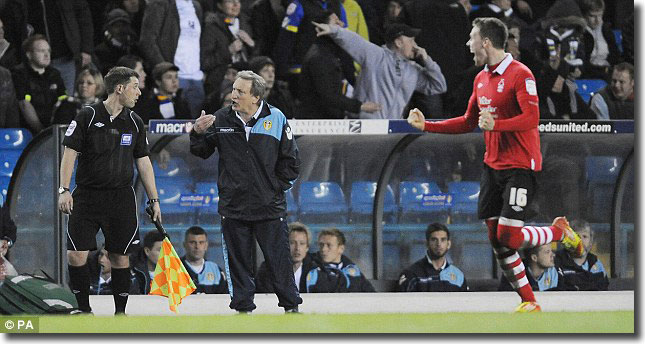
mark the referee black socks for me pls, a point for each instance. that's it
(120, 288)
(80, 284)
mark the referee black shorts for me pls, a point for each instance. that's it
(114, 211)
(508, 193)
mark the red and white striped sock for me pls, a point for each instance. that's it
(513, 234)
(511, 263)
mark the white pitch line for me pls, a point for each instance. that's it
(203, 304)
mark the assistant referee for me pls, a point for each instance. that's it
(107, 137)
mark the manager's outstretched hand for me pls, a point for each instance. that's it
(203, 122)
(416, 119)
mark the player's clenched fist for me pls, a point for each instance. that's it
(486, 120)
(416, 119)
(203, 122)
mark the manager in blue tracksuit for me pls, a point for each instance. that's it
(258, 162)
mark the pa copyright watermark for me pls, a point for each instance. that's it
(19, 325)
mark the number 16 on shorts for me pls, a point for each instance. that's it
(518, 198)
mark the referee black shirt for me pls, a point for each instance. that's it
(107, 148)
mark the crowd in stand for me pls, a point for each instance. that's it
(369, 59)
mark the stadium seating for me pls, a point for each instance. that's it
(601, 173)
(170, 190)
(8, 160)
(412, 204)
(618, 35)
(207, 214)
(175, 167)
(361, 204)
(14, 138)
(465, 197)
(292, 206)
(322, 202)
(4, 185)
(588, 87)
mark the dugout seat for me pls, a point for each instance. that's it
(362, 203)
(588, 87)
(292, 206)
(175, 167)
(601, 173)
(8, 161)
(14, 138)
(465, 197)
(322, 202)
(170, 190)
(4, 185)
(618, 35)
(207, 214)
(412, 205)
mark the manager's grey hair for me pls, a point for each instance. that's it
(258, 84)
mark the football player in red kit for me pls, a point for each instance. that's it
(504, 104)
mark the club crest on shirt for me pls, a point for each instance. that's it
(267, 125)
(126, 139)
(531, 88)
(480, 85)
(210, 276)
(500, 86)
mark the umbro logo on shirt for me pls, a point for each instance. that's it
(99, 124)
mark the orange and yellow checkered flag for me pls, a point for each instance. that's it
(171, 278)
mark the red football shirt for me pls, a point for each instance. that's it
(509, 93)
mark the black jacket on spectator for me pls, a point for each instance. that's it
(105, 288)
(590, 71)
(266, 25)
(618, 109)
(139, 264)
(7, 226)
(291, 47)
(74, 14)
(67, 110)
(44, 90)
(108, 53)
(9, 112)
(160, 31)
(322, 90)
(577, 278)
(215, 56)
(148, 107)
(330, 278)
(445, 29)
(422, 276)
(628, 40)
(263, 279)
(281, 98)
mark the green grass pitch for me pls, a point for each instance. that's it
(547, 322)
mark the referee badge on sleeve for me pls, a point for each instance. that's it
(126, 139)
(70, 129)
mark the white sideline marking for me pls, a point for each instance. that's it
(203, 304)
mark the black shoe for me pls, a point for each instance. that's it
(291, 310)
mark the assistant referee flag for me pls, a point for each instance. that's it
(171, 278)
